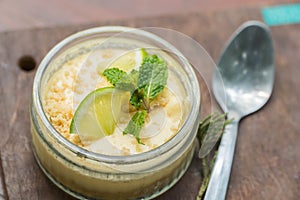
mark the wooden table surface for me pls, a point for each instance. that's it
(267, 159)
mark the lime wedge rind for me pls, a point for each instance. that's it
(96, 116)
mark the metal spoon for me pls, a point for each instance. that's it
(242, 85)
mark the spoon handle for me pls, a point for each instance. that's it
(219, 179)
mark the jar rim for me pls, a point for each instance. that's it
(170, 144)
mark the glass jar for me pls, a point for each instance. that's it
(85, 174)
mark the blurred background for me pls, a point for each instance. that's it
(22, 14)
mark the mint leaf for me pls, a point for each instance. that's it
(153, 77)
(135, 125)
(210, 131)
(113, 75)
(128, 82)
(136, 98)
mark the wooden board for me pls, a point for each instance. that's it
(267, 159)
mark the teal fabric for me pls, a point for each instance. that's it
(281, 14)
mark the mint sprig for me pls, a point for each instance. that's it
(209, 132)
(144, 86)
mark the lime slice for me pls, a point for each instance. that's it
(97, 114)
(129, 60)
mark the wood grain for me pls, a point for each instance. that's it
(3, 193)
(266, 163)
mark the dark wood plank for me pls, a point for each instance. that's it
(266, 164)
(2, 186)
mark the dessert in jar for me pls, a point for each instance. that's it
(114, 114)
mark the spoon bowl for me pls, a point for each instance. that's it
(244, 80)
(242, 84)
